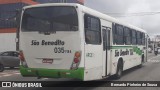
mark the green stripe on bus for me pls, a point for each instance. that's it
(135, 49)
(52, 73)
(120, 47)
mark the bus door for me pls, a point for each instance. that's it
(106, 50)
(93, 48)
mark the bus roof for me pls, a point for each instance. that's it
(89, 11)
(109, 18)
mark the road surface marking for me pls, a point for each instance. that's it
(6, 75)
(10, 73)
(44, 78)
(3, 73)
(17, 73)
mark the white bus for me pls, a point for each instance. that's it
(72, 41)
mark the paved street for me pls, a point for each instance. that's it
(149, 72)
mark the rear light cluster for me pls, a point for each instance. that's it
(22, 59)
(76, 60)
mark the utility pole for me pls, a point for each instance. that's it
(18, 27)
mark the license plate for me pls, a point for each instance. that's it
(49, 61)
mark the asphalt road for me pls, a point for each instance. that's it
(149, 72)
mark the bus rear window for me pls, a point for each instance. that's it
(50, 19)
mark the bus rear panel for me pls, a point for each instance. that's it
(50, 44)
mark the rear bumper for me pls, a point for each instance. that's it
(52, 73)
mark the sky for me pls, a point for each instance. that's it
(144, 14)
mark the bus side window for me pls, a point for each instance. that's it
(92, 29)
(114, 33)
(127, 36)
(118, 34)
(134, 40)
(88, 38)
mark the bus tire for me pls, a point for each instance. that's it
(1, 68)
(119, 69)
(142, 61)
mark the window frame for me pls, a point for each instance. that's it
(90, 29)
(127, 34)
(139, 37)
(3, 54)
(118, 33)
(26, 17)
(134, 37)
(113, 33)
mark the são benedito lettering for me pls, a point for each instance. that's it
(57, 42)
(45, 43)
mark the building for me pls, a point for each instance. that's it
(60, 1)
(8, 13)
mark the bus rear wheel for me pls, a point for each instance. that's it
(119, 70)
(142, 62)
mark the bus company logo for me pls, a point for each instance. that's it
(20, 84)
(6, 84)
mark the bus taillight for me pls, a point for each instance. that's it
(77, 54)
(22, 58)
(76, 60)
